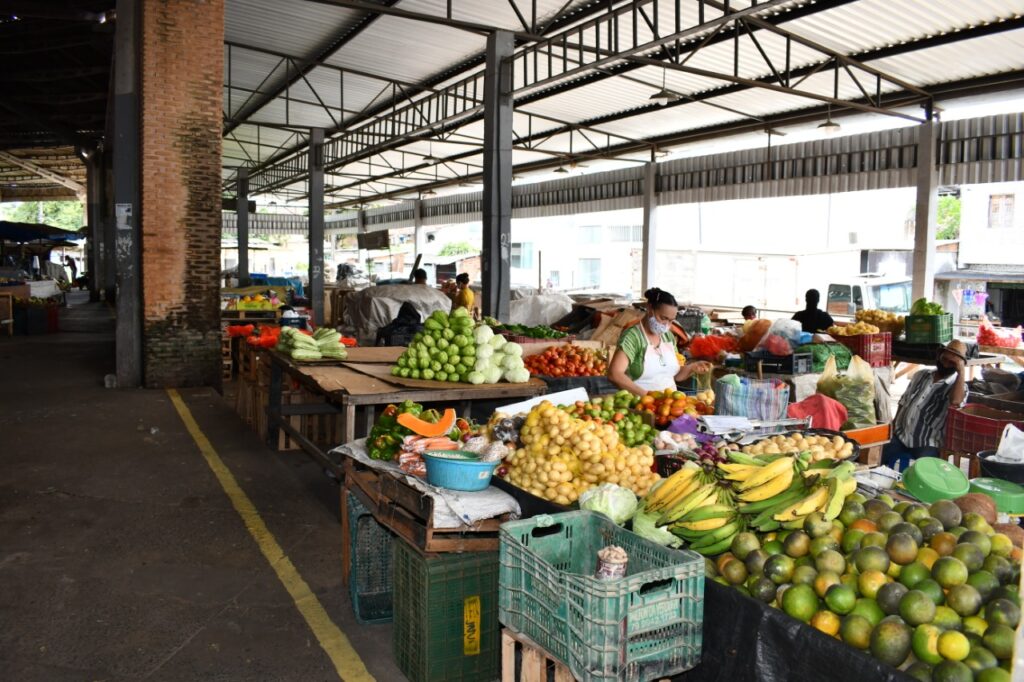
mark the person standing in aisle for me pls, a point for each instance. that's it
(812, 319)
(463, 297)
(72, 266)
(645, 359)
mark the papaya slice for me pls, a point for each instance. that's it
(427, 429)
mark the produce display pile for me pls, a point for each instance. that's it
(538, 332)
(820, 447)
(568, 360)
(617, 410)
(301, 345)
(855, 329)
(561, 457)
(667, 405)
(1001, 338)
(450, 349)
(879, 318)
(923, 306)
(932, 590)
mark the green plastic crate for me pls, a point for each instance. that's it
(929, 328)
(369, 581)
(446, 615)
(645, 626)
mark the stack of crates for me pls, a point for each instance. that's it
(446, 615)
(370, 577)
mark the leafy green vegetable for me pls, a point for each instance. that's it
(923, 307)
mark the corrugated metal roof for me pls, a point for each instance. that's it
(411, 51)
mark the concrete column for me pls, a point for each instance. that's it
(419, 235)
(925, 217)
(126, 195)
(94, 200)
(242, 222)
(497, 174)
(650, 227)
(107, 225)
(316, 223)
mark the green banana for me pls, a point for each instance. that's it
(715, 549)
(835, 500)
(743, 458)
(792, 494)
(711, 511)
(727, 531)
(769, 526)
(844, 470)
(685, 505)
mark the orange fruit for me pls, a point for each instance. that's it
(866, 525)
(826, 621)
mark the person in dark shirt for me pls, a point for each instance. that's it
(749, 312)
(811, 318)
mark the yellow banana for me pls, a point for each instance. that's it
(767, 473)
(770, 489)
(805, 506)
(739, 472)
(706, 524)
(688, 504)
(670, 487)
(681, 491)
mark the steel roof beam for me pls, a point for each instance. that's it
(44, 173)
(314, 60)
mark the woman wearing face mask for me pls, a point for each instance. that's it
(645, 359)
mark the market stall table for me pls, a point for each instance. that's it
(364, 380)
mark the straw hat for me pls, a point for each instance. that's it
(958, 348)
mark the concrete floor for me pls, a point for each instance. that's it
(121, 558)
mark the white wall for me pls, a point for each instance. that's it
(981, 244)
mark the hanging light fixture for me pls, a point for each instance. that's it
(663, 96)
(430, 158)
(829, 127)
(561, 169)
(428, 193)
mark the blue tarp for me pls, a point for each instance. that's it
(30, 232)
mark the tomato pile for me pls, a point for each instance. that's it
(667, 405)
(567, 360)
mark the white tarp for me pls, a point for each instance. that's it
(543, 309)
(375, 307)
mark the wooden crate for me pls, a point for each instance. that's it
(536, 664)
(409, 513)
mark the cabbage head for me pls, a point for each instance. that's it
(614, 501)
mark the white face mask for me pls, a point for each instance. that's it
(656, 327)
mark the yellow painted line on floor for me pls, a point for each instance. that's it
(333, 641)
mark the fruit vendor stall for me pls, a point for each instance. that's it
(779, 562)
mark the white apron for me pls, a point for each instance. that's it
(660, 368)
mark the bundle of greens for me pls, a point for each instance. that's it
(923, 307)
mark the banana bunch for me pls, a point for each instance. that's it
(818, 489)
(762, 478)
(697, 508)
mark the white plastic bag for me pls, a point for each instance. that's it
(790, 330)
(1011, 446)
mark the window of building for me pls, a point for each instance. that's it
(522, 255)
(590, 272)
(590, 234)
(625, 233)
(1000, 211)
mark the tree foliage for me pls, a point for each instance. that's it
(456, 249)
(68, 215)
(948, 218)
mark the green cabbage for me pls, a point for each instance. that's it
(614, 501)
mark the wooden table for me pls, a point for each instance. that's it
(363, 381)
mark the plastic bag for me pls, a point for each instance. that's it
(1011, 446)
(856, 391)
(752, 398)
(789, 330)
(828, 383)
(775, 345)
(990, 336)
(825, 412)
(708, 347)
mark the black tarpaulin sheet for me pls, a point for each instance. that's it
(747, 640)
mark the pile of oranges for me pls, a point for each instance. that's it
(667, 405)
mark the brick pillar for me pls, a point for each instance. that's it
(182, 80)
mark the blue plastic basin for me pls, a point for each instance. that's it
(458, 470)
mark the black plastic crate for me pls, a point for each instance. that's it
(689, 319)
(797, 363)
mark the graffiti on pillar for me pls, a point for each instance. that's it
(123, 251)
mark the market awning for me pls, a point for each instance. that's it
(983, 275)
(30, 232)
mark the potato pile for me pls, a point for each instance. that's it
(853, 329)
(879, 317)
(820, 447)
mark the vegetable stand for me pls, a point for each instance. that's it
(364, 381)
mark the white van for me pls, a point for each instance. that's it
(869, 291)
